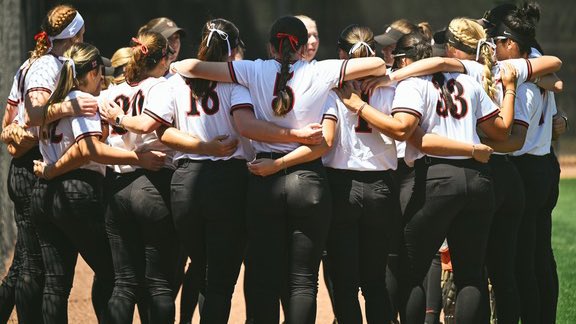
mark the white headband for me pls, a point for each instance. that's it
(482, 42)
(222, 35)
(71, 30)
(356, 46)
(71, 62)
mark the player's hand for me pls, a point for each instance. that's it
(372, 83)
(482, 153)
(558, 126)
(223, 145)
(152, 160)
(264, 167)
(350, 96)
(310, 134)
(110, 110)
(17, 134)
(42, 170)
(509, 75)
(84, 106)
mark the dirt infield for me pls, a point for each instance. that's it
(80, 306)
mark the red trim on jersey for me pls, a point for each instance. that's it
(529, 70)
(12, 102)
(39, 89)
(87, 134)
(241, 106)
(330, 116)
(342, 73)
(157, 118)
(232, 73)
(407, 111)
(521, 123)
(490, 115)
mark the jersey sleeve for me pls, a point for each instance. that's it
(330, 110)
(240, 99)
(86, 126)
(521, 106)
(408, 98)
(242, 72)
(523, 69)
(331, 72)
(472, 68)
(42, 76)
(159, 103)
(14, 97)
(487, 108)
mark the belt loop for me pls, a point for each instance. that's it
(427, 160)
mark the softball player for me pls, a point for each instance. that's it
(288, 198)
(450, 105)
(32, 86)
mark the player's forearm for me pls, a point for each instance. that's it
(550, 82)
(141, 124)
(386, 124)
(514, 142)
(96, 151)
(434, 144)
(263, 131)
(71, 160)
(307, 153)
(180, 141)
(9, 115)
(363, 67)
(194, 68)
(427, 66)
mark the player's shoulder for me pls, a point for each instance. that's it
(45, 62)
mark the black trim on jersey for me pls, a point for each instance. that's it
(463, 66)
(12, 102)
(342, 73)
(87, 134)
(407, 111)
(156, 117)
(232, 72)
(241, 106)
(521, 123)
(529, 70)
(485, 118)
(330, 116)
(39, 89)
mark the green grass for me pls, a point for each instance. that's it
(564, 243)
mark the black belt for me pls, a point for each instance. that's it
(500, 157)
(270, 155)
(429, 160)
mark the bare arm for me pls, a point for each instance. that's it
(35, 104)
(194, 68)
(176, 139)
(514, 142)
(363, 67)
(428, 66)
(9, 115)
(545, 65)
(550, 82)
(251, 127)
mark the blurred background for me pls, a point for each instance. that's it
(111, 23)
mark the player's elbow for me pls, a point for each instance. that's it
(558, 86)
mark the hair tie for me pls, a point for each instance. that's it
(291, 38)
(71, 62)
(222, 35)
(482, 42)
(143, 48)
(356, 46)
(43, 36)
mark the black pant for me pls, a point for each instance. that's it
(208, 204)
(452, 199)
(69, 215)
(144, 246)
(23, 283)
(433, 286)
(533, 262)
(288, 221)
(365, 209)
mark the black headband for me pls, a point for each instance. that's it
(504, 31)
(89, 66)
(405, 52)
(451, 39)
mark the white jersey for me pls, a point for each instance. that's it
(357, 145)
(309, 83)
(419, 96)
(205, 117)
(114, 139)
(134, 99)
(41, 74)
(64, 132)
(542, 106)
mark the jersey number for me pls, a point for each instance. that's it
(210, 102)
(460, 107)
(288, 90)
(363, 126)
(125, 103)
(54, 138)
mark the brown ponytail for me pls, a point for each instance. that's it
(147, 52)
(54, 23)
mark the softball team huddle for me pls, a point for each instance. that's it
(278, 162)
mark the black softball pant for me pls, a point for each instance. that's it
(145, 249)
(288, 220)
(209, 208)
(365, 209)
(23, 284)
(69, 213)
(534, 255)
(452, 199)
(503, 239)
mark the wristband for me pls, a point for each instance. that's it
(360, 109)
(473, 149)
(513, 92)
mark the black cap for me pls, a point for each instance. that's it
(389, 37)
(108, 69)
(494, 16)
(164, 26)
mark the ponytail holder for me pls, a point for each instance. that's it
(291, 38)
(356, 46)
(143, 48)
(482, 42)
(222, 35)
(43, 36)
(70, 62)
